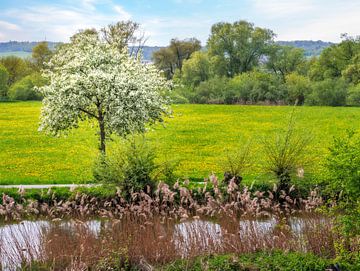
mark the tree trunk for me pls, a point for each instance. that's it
(102, 146)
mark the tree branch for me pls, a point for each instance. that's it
(89, 113)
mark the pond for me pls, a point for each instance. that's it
(29, 241)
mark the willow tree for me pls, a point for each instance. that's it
(91, 79)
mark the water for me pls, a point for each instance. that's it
(26, 236)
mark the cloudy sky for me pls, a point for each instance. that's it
(161, 20)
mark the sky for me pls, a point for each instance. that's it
(162, 20)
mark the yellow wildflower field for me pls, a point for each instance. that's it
(199, 137)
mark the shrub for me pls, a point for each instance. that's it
(343, 176)
(236, 163)
(353, 97)
(211, 91)
(284, 154)
(343, 165)
(298, 87)
(25, 90)
(4, 76)
(132, 167)
(330, 92)
(257, 87)
(277, 260)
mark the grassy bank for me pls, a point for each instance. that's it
(198, 136)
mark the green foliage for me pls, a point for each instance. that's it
(237, 161)
(25, 88)
(277, 260)
(284, 60)
(17, 68)
(196, 69)
(240, 45)
(285, 153)
(353, 97)
(210, 91)
(298, 87)
(40, 55)
(4, 77)
(257, 87)
(171, 58)
(334, 60)
(329, 92)
(132, 167)
(343, 165)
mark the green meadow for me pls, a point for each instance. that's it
(197, 136)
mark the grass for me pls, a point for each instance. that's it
(198, 136)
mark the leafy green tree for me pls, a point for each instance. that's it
(335, 59)
(171, 58)
(183, 49)
(90, 79)
(16, 67)
(298, 87)
(283, 60)
(41, 54)
(25, 88)
(352, 72)
(196, 69)
(124, 34)
(240, 45)
(165, 60)
(4, 77)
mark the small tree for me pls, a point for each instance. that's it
(285, 153)
(90, 79)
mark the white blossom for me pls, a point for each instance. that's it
(90, 78)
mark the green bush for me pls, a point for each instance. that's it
(211, 91)
(298, 87)
(4, 77)
(330, 92)
(132, 167)
(285, 153)
(263, 261)
(353, 97)
(257, 87)
(24, 89)
(343, 165)
(343, 182)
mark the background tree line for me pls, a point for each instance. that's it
(19, 77)
(242, 64)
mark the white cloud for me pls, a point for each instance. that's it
(122, 12)
(281, 8)
(56, 23)
(8, 26)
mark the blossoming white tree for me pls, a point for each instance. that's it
(90, 78)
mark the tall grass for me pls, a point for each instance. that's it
(131, 243)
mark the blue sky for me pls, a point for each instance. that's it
(161, 20)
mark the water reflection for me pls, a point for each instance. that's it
(31, 240)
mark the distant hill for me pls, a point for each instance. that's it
(312, 48)
(22, 46)
(23, 49)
